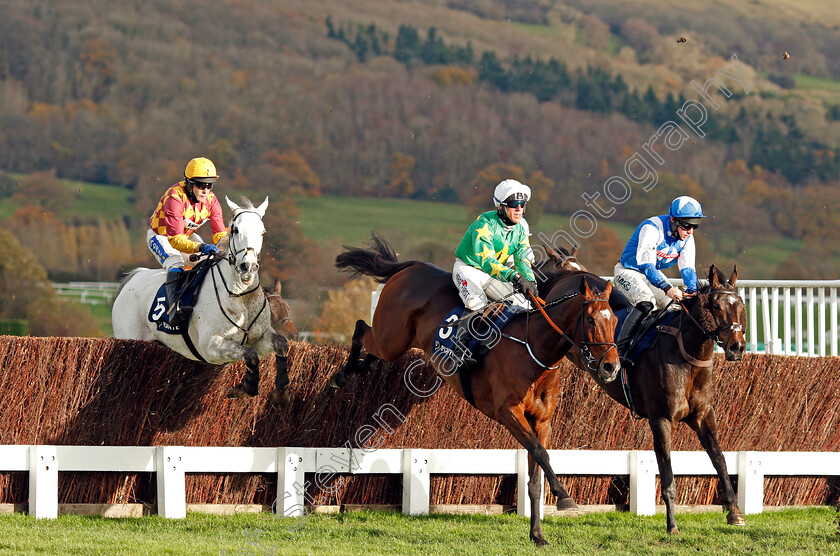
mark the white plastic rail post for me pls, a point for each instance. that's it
(171, 482)
(416, 482)
(643, 469)
(43, 482)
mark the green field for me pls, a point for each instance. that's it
(806, 531)
(335, 221)
(89, 200)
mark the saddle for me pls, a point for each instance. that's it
(466, 340)
(648, 332)
(188, 285)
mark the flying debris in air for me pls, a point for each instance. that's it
(785, 55)
(682, 39)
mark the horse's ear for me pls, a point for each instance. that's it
(584, 288)
(575, 252)
(553, 255)
(262, 207)
(608, 290)
(734, 277)
(277, 286)
(714, 282)
(233, 206)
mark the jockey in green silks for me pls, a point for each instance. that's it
(493, 260)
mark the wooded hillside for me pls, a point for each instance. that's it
(436, 100)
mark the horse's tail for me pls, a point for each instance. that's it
(378, 261)
(125, 280)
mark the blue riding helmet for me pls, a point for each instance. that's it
(686, 209)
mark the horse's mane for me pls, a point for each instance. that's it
(595, 282)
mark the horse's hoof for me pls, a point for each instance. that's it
(238, 391)
(736, 519)
(338, 380)
(281, 399)
(674, 530)
(539, 541)
(566, 504)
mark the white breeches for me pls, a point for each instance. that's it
(636, 287)
(477, 288)
(165, 254)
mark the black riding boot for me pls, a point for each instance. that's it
(468, 329)
(631, 324)
(176, 313)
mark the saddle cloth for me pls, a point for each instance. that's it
(649, 333)
(189, 283)
(455, 342)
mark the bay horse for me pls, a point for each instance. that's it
(673, 381)
(281, 313)
(231, 319)
(517, 383)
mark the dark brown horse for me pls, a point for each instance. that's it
(517, 383)
(674, 381)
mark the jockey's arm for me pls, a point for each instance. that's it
(173, 215)
(484, 256)
(523, 257)
(686, 265)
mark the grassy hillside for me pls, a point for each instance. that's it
(336, 221)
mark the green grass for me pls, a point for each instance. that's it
(819, 83)
(345, 220)
(806, 531)
(89, 200)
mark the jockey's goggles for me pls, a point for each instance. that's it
(515, 204)
(686, 225)
(202, 184)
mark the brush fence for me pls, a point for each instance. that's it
(171, 464)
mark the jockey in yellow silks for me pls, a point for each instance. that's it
(181, 211)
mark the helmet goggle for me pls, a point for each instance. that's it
(201, 184)
(685, 225)
(515, 203)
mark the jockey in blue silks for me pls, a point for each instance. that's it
(657, 243)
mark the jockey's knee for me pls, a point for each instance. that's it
(475, 302)
(174, 263)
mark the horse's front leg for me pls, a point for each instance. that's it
(340, 378)
(514, 420)
(222, 348)
(661, 429)
(280, 396)
(707, 434)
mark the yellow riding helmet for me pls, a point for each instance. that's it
(201, 169)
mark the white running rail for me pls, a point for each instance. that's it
(172, 463)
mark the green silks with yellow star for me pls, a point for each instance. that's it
(488, 244)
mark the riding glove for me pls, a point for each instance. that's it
(524, 285)
(208, 249)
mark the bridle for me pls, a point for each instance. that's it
(233, 252)
(584, 347)
(714, 335)
(231, 259)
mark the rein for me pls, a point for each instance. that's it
(244, 331)
(713, 335)
(584, 348)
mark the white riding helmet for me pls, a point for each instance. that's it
(510, 188)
